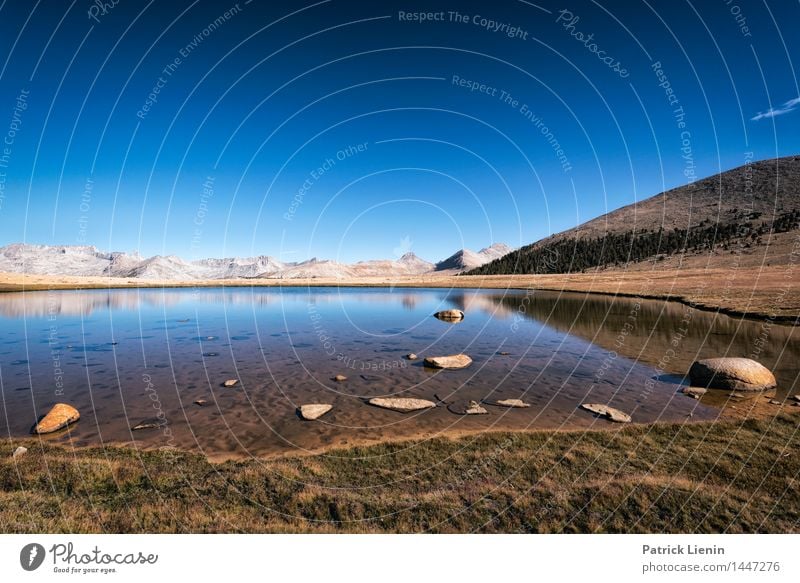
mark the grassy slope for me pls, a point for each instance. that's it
(767, 188)
(770, 187)
(734, 476)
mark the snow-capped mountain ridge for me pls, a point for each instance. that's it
(85, 260)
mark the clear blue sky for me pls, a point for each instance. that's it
(261, 99)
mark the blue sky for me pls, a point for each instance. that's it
(348, 130)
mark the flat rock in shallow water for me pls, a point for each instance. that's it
(513, 403)
(230, 383)
(340, 378)
(733, 374)
(452, 362)
(314, 411)
(403, 405)
(59, 417)
(695, 392)
(151, 423)
(609, 412)
(450, 315)
(467, 408)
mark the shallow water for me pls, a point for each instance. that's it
(122, 356)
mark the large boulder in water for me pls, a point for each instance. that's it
(59, 417)
(733, 374)
(450, 315)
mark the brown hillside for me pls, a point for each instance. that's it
(769, 187)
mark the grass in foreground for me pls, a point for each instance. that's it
(730, 476)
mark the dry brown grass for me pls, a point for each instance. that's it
(730, 476)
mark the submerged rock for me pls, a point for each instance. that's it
(19, 452)
(340, 378)
(151, 423)
(314, 411)
(513, 403)
(201, 402)
(230, 383)
(695, 392)
(403, 405)
(734, 374)
(412, 356)
(59, 417)
(608, 412)
(453, 361)
(450, 315)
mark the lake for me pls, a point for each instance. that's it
(122, 356)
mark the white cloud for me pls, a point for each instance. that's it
(775, 111)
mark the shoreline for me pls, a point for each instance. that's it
(542, 481)
(755, 407)
(754, 294)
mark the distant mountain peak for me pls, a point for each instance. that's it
(465, 259)
(409, 257)
(497, 247)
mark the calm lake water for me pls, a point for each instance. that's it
(123, 356)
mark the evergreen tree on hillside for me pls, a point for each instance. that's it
(616, 249)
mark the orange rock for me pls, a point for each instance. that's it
(59, 417)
